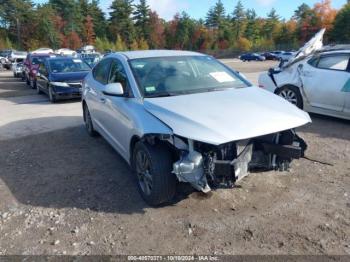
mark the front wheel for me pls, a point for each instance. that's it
(27, 81)
(32, 83)
(153, 166)
(38, 90)
(52, 96)
(292, 95)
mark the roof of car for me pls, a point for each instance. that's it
(157, 53)
(40, 55)
(346, 51)
(62, 57)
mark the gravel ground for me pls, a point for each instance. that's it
(63, 192)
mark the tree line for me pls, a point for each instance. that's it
(133, 25)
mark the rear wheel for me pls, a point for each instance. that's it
(153, 166)
(292, 95)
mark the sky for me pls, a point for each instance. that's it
(198, 8)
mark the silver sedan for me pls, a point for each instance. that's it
(183, 116)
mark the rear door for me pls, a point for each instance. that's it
(324, 79)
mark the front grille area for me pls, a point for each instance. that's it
(75, 84)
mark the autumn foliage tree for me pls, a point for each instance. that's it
(131, 24)
(89, 31)
(72, 41)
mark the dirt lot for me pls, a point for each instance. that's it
(63, 192)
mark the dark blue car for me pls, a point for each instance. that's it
(252, 57)
(61, 77)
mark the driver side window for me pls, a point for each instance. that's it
(118, 75)
(42, 69)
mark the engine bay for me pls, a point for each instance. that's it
(207, 166)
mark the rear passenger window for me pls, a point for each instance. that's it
(336, 62)
(101, 70)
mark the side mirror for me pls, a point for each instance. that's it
(114, 89)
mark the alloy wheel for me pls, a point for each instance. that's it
(143, 167)
(290, 96)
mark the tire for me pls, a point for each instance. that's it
(88, 122)
(292, 95)
(153, 166)
(38, 90)
(32, 83)
(27, 81)
(52, 96)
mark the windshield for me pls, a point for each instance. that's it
(68, 65)
(38, 60)
(165, 76)
(91, 60)
(5, 53)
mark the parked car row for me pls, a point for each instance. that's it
(275, 55)
(8, 57)
(58, 76)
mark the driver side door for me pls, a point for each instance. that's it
(115, 114)
(42, 77)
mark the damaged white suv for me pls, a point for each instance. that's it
(183, 116)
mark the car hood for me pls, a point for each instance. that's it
(69, 77)
(225, 116)
(315, 44)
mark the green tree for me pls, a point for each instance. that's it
(252, 31)
(46, 32)
(16, 16)
(98, 17)
(216, 15)
(341, 31)
(307, 22)
(271, 24)
(238, 19)
(71, 13)
(121, 22)
(142, 19)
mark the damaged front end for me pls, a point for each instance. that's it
(207, 166)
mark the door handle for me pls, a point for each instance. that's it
(103, 100)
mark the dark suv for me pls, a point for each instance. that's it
(31, 66)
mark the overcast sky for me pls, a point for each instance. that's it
(198, 8)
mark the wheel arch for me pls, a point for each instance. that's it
(278, 89)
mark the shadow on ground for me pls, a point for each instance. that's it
(69, 169)
(328, 127)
